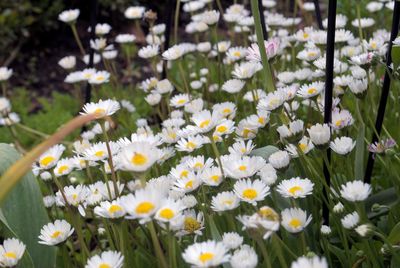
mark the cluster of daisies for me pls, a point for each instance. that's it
(201, 174)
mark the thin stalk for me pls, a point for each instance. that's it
(110, 159)
(77, 39)
(157, 246)
(260, 40)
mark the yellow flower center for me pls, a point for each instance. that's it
(374, 45)
(206, 256)
(10, 255)
(139, 159)
(46, 161)
(144, 207)
(268, 213)
(104, 265)
(261, 120)
(190, 145)
(226, 111)
(99, 153)
(198, 165)
(242, 168)
(312, 54)
(303, 147)
(100, 78)
(295, 223)
(184, 174)
(181, 101)
(114, 208)
(311, 90)
(249, 194)
(246, 132)
(62, 169)
(222, 129)
(205, 123)
(167, 213)
(99, 111)
(189, 184)
(227, 202)
(214, 178)
(338, 123)
(295, 189)
(55, 234)
(237, 54)
(191, 224)
(305, 35)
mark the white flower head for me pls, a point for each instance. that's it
(55, 233)
(11, 252)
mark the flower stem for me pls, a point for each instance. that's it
(260, 40)
(77, 39)
(157, 246)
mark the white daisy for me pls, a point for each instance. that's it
(11, 252)
(355, 191)
(294, 220)
(295, 188)
(206, 254)
(55, 233)
(224, 201)
(101, 108)
(251, 191)
(107, 259)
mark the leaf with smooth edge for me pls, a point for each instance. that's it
(264, 152)
(23, 214)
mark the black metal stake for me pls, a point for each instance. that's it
(168, 24)
(318, 14)
(330, 49)
(262, 17)
(385, 91)
(93, 19)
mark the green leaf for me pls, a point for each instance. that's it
(216, 235)
(359, 159)
(23, 214)
(396, 55)
(394, 236)
(264, 152)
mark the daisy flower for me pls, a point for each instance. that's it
(246, 70)
(138, 156)
(5, 73)
(224, 201)
(63, 167)
(11, 252)
(238, 166)
(313, 262)
(110, 210)
(211, 176)
(251, 191)
(169, 210)
(134, 12)
(206, 254)
(351, 220)
(142, 205)
(279, 160)
(50, 158)
(149, 51)
(179, 100)
(233, 86)
(363, 22)
(244, 257)
(173, 53)
(295, 128)
(311, 90)
(272, 101)
(191, 143)
(107, 259)
(271, 48)
(69, 16)
(189, 223)
(342, 145)
(240, 147)
(125, 38)
(205, 121)
(294, 220)
(100, 77)
(232, 240)
(295, 188)
(55, 233)
(101, 108)
(67, 63)
(187, 184)
(355, 191)
(74, 196)
(320, 134)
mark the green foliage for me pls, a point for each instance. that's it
(14, 215)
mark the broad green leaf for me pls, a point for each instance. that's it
(264, 152)
(216, 235)
(24, 214)
(394, 236)
(359, 159)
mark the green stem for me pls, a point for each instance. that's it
(77, 39)
(110, 159)
(260, 40)
(157, 246)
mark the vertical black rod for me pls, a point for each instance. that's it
(262, 17)
(330, 50)
(168, 23)
(385, 91)
(93, 18)
(318, 14)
